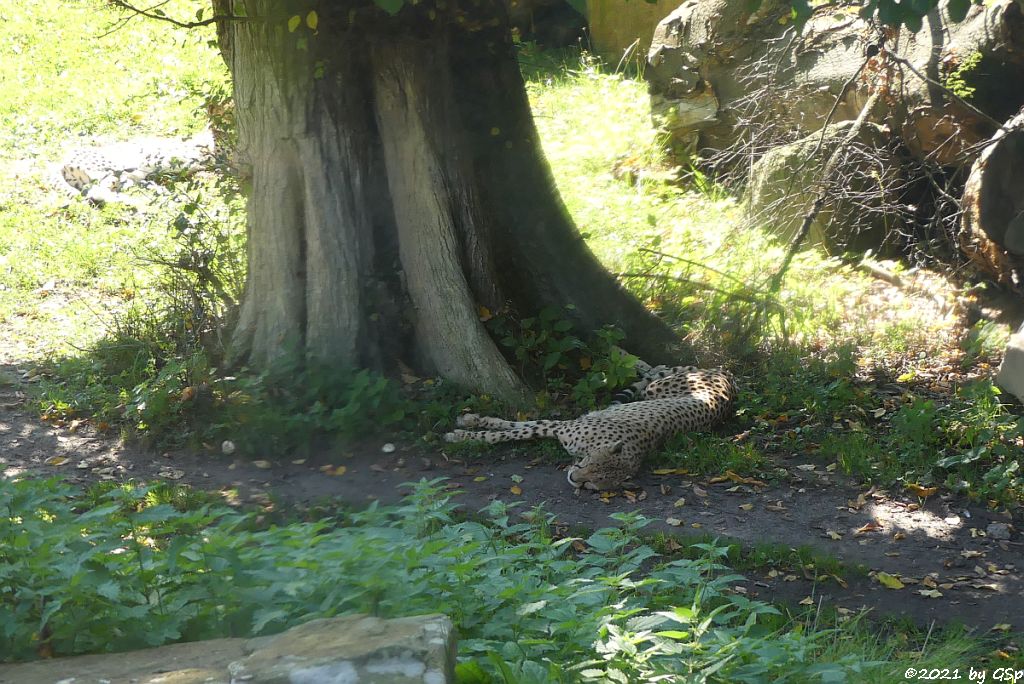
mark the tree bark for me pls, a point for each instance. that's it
(398, 185)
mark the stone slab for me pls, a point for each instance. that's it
(351, 649)
(1011, 371)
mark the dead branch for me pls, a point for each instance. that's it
(775, 283)
(160, 16)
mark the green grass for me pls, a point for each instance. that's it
(65, 84)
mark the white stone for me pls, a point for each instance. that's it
(1011, 371)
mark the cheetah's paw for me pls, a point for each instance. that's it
(468, 420)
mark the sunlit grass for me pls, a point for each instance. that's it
(612, 171)
(76, 75)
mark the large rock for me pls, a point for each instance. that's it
(858, 214)
(719, 68)
(1011, 370)
(992, 222)
(351, 648)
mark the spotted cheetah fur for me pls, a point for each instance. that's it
(608, 445)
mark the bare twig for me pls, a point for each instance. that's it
(822, 190)
(753, 299)
(905, 62)
(150, 13)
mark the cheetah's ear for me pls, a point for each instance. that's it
(617, 447)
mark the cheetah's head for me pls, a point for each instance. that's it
(599, 468)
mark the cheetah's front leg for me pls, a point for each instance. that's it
(501, 430)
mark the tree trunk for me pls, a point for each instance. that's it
(398, 185)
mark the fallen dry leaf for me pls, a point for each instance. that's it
(807, 601)
(479, 478)
(56, 460)
(747, 506)
(516, 489)
(833, 535)
(923, 492)
(739, 479)
(265, 464)
(930, 593)
(671, 471)
(680, 502)
(674, 522)
(700, 491)
(888, 581)
(867, 527)
(859, 503)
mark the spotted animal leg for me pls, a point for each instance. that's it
(472, 420)
(522, 431)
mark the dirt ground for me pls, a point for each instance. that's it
(951, 551)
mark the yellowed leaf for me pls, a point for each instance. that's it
(261, 464)
(57, 460)
(340, 470)
(479, 478)
(739, 479)
(923, 492)
(312, 20)
(674, 522)
(888, 581)
(807, 601)
(483, 313)
(930, 593)
(1001, 627)
(680, 502)
(585, 363)
(516, 489)
(833, 535)
(899, 536)
(747, 506)
(293, 23)
(671, 471)
(299, 461)
(867, 527)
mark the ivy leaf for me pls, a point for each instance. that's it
(293, 23)
(389, 6)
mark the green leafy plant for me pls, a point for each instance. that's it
(121, 569)
(548, 350)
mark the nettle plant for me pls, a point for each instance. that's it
(545, 347)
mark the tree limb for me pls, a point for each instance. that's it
(775, 282)
(151, 14)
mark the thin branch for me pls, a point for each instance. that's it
(664, 277)
(150, 14)
(905, 62)
(822, 190)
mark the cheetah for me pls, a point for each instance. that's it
(608, 445)
(101, 174)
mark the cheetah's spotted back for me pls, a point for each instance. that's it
(608, 445)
